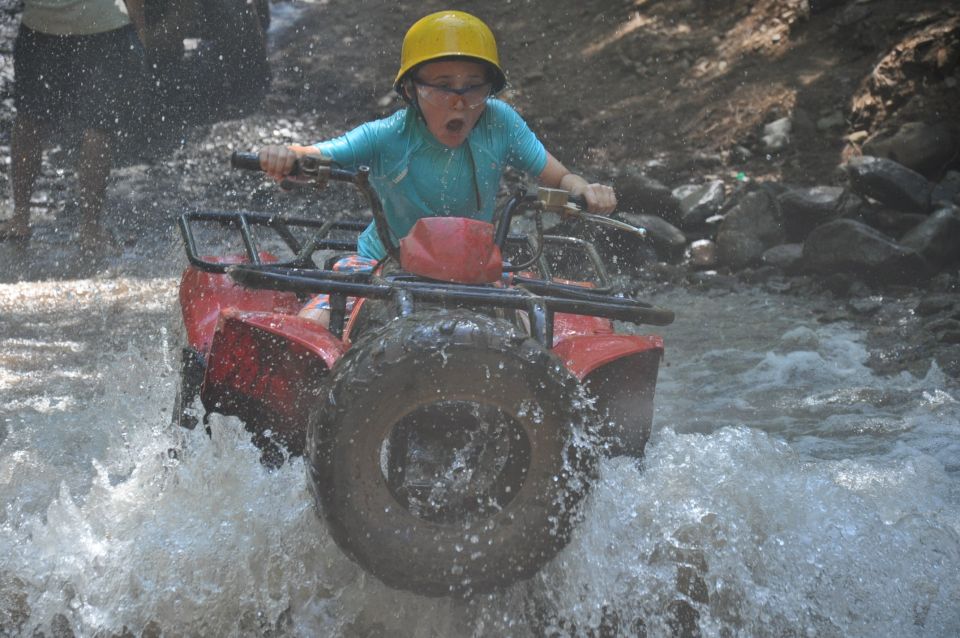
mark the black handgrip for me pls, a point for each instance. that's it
(578, 201)
(246, 161)
(251, 162)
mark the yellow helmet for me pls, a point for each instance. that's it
(446, 34)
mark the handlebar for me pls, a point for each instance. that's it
(320, 170)
(245, 161)
(251, 162)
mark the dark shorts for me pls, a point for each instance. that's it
(88, 80)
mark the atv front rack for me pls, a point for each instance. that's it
(281, 225)
(540, 299)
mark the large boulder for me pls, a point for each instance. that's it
(806, 208)
(893, 223)
(848, 246)
(786, 257)
(889, 183)
(937, 238)
(753, 225)
(925, 148)
(947, 191)
(668, 240)
(642, 195)
(700, 203)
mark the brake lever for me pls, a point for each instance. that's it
(557, 200)
(614, 223)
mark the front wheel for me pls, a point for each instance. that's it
(445, 456)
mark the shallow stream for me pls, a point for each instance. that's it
(787, 490)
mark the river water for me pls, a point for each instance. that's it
(787, 490)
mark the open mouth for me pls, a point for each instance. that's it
(455, 126)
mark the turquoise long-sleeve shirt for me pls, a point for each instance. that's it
(417, 176)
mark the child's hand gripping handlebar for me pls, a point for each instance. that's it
(559, 201)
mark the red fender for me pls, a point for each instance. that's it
(620, 372)
(265, 368)
(203, 294)
(567, 325)
(582, 354)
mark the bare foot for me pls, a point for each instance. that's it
(15, 230)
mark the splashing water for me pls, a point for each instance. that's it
(786, 491)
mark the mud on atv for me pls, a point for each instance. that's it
(452, 417)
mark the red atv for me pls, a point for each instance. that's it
(451, 418)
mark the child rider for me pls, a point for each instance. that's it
(443, 154)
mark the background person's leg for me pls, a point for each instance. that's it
(26, 153)
(94, 161)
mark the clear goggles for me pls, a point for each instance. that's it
(473, 96)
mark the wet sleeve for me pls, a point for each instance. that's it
(352, 149)
(525, 151)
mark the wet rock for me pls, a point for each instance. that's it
(60, 627)
(866, 306)
(776, 134)
(934, 304)
(701, 203)
(758, 275)
(749, 228)
(840, 284)
(740, 153)
(691, 584)
(944, 282)
(895, 355)
(948, 359)
(847, 246)
(703, 254)
(680, 192)
(786, 257)
(937, 238)
(922, 147)
(639, 194)
(949, 336)
(701, 159)
(947, 191)
(889, 183)
(806, 208)
(683, 619)
(668, 240)
(940, 326)
(894, 223)
(711, 280)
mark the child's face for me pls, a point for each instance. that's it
(450, 116)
